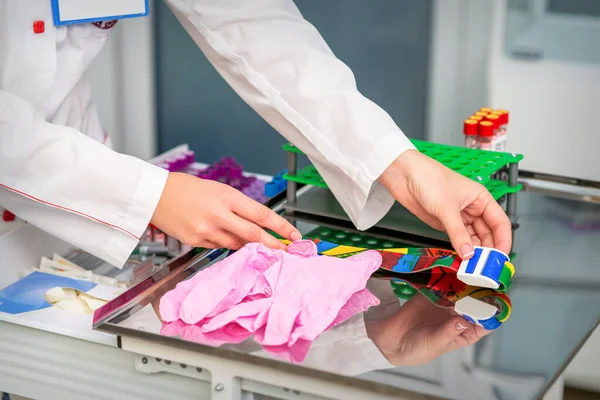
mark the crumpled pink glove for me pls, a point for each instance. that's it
(314, 293)
(284, 298)
(219, 287)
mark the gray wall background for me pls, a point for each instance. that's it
(385, 43)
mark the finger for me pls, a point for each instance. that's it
(455, 227)
(227, 240)
(474, 237)
(249, 232)
(448, 334)
(483, 232)
(473, 334)
(261, 215)
(495, 218)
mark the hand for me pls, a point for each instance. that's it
(210, 214)
(420, 332)
(449, 202)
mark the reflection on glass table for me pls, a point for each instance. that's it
(413, 334)
(424, 328)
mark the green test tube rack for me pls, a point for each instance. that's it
(478, 165)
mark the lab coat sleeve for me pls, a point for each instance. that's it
(281, 66)
(73, 187)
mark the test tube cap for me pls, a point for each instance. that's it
(502, 118)
(470, 127)
(486, 109)
(504, 113)
(476, 117)
(486, 128)
(481, 114)
(494, 119)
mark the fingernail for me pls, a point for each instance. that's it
(466, 250)
(296, 235)
(460, 326)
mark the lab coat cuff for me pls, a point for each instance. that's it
(382, 156)
(145, 198)
(374, 358)
(119, 248)
(139, 212)
(375, 200)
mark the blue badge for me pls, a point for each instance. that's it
(70, 12)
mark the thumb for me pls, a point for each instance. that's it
(460, 238)
(444, 337)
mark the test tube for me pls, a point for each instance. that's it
(503, 114)
(495, 119)
(470, 128)
(147, 236)
(160, 237)
(486, 135)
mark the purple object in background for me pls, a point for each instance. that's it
(164, 165)
(178, 162)
(235, 173)
(226, 170)
(256, 190)
(228, 161)
(190, 157)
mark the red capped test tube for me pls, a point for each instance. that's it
(486, 135)
(486, 110)
(470, 130)
(503, 117)
(495, 119)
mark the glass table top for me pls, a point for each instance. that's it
(555, 306)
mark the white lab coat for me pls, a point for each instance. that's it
(57, 173)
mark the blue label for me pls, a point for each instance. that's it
(59, 21)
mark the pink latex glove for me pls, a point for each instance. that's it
(252, 312)
(287, 299)
(219, 287)
(311, 292)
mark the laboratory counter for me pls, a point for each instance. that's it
(555, 297)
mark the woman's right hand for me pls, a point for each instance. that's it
(421, 332)
(203, 213)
